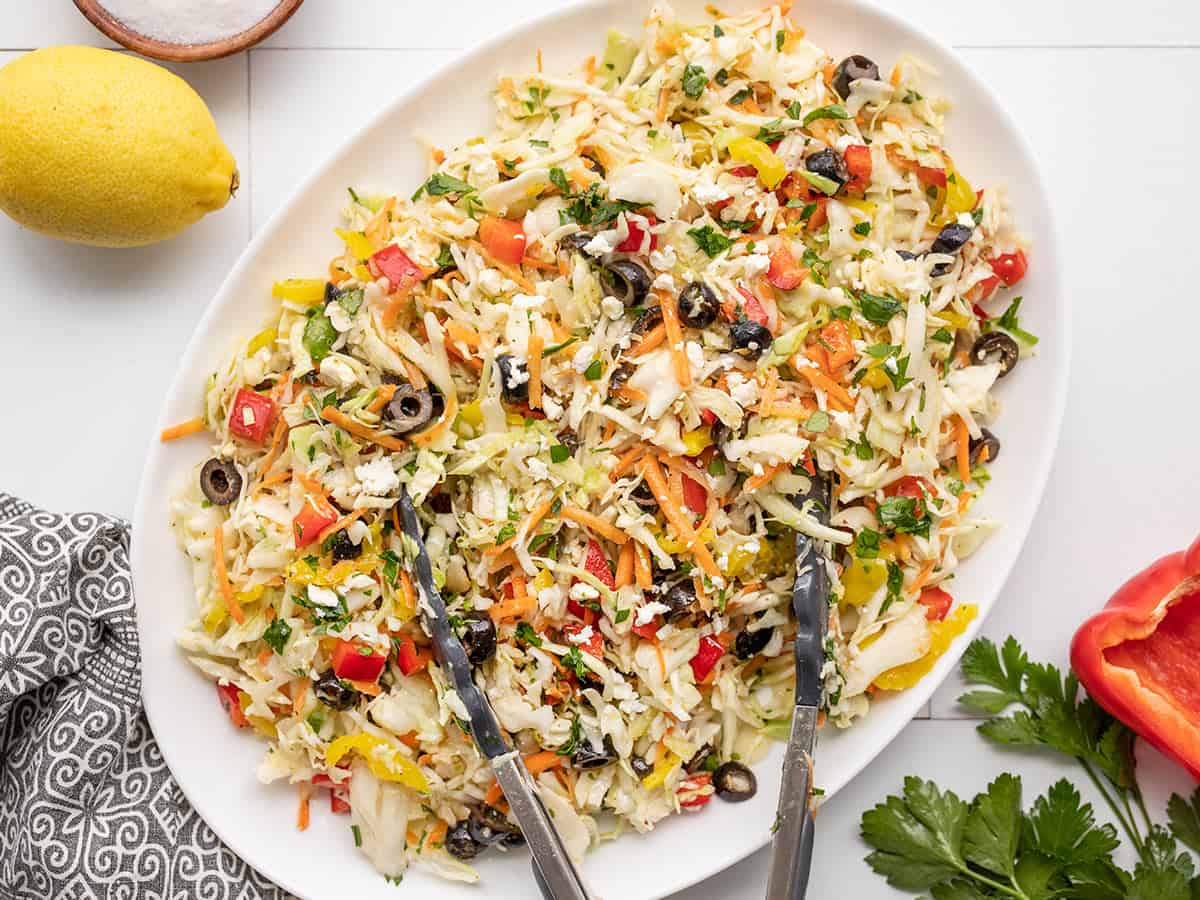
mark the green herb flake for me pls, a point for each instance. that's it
(559, 453)
(558, 178)
(277, 634)
(793, 110)
(694, 81)
(866, 544)
(527, 636)
(862, 229)
(1008, 321)
(826, 112)
(594, 370)
(441, 184)
(878, 310)
(711, 241)
(817, 422)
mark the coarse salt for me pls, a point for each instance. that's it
(190, 21)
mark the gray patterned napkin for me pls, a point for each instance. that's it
(88, 808)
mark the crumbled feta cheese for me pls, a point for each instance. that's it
(647, 611)
(663, 260)
(604, 242)
(695, 355)
(583, 358)
(664, 282)
(337, 372)
(743, 391)
(338, 318)
(377, 477)
(322, 596)
(612, 308)
(491, 282)
(551, 407)
(517, 376)
(358, 531)
(756, 264)
(356, 582)
(582, 636)
(527, 301)
(537, 468)
(707, 192)
(581, 591)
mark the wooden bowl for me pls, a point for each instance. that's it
(122, 34)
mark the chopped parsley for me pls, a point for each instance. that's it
(573, 660)
(780, 39)
(391, 566)
(440, 184)
(445, 259)
(506, 533)
(277, 634)
(878, 310)
(326, 618)
(905, 515)
(527, 636)
(942, 336)
(1008, 321)
(711, 241)
(694, 81)
(622, 615)
(592, 208)
(558, 178)
(716, 466)
(722, 77)
(740, 97)
(826, 112)
(862, 229)
(898, 378)
(793, 109)
(571, 744)
(866, 544)
(771, 132)
(841, 312)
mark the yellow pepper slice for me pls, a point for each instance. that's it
(942, 635)
(770, 168)
(875, 378)
(214, 616)
(299, 290)
(302, 573)
(696, 441)
(357, 243)
(862, 578)
(698, 136)
(953, 319)
(543, 580)
(960, 196)
(661, 770)
(264, 338)
(384, 759)
(363, 274)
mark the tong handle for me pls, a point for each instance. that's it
(792, 847)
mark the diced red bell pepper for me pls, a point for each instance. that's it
(784, 272)
(231, 703)
(692, 784)
(753, 307)
(633, 243)
(409, 658)
(983, 290)
(908, 486)
(357, 662)
(695, 496)
(708, 417)
(596, 564)
(394, 264)
(1010, 267)
(252, 416)
(1137, 657)
(928, 176)
(937, 603)
(313, 520)
(339, 793)
(503, 238)
(711, 650)
(649, 631)
(858, 164)
(744, 172)
(593, 645)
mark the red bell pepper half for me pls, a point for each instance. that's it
(252, 415)
(1137, 657)
(356, 662)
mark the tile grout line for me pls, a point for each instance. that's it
(956, 46)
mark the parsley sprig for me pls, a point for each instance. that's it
(932, 841)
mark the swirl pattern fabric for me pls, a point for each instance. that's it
(88, 808)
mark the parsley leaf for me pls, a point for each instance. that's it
(440, 184)
(866, 544)
(508, 531)
(942, 336)
(740, 97)
(793, 109)
(780, 39)
(898, 378)
(1184, 816)
(571, 744)
(694, 81)
(558, 178)
(592, 208)
(878, 310)
(573, 660)
(1008, 321)
(711, 241)
(527, 636)
(826, 112)
(917, 837)
(771, 132)
(277, 634)
(862, 229)
(905, 515)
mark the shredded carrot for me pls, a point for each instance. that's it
(512, 608)
(801, 410)
(281, 430)
(624, 576)
(437, 833)
(922, 577)
(632, 394)
(660, 112)
(263, 655)
(395, 306)
(650, 340)
(670, 314)
(409, 739)
(494, 793)
(339, 418)
(641, 568)
(520, 589)
(382, 398)
(895, 79)
(303, 811)
(653, 474)
(627, 461)
(370, 688)
(415, 376)
(526, 528)
(589, 69)
(610, 429)
(767, 398)
(430, 434)
(539, 59)
(183, 429)
(505, 560)
(962, 451)
(903, 547)
(662, 661)
(539, 762)
(819, 380)
(463, 333)
(534, 366)
(309, 484)
(299, 695)
(594, 523)
(754, 482)
(345, 520)
(964, 500)
(407, 593)
(231, 604)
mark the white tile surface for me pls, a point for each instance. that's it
(92, 336)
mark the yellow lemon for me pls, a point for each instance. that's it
(104, 148)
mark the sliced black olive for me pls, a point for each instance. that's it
(951, 238)
(311, 378)
(513, 839)
(341, 547)
(439, 404)
(734, 782)
(587, 756)
(460, 843)
(568, 438)
(619, 376)
(699, 758)
(640, 767)
(334, 692)
(576, 242)
(650, 318)
(487, 825)
(514, 381)
(597, 166)
(479, 639)
(751, 643)
(698, 305)
(996, 346)
(906, 254)
(828, 164)
(679, 599)
(644, 497)
(441, 503)
(221, 481)
(851, 69)
(408, 410)
(749, 338)
(987, 441)
(627, 280)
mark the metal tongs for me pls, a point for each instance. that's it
(556, 875)
(792, 846)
